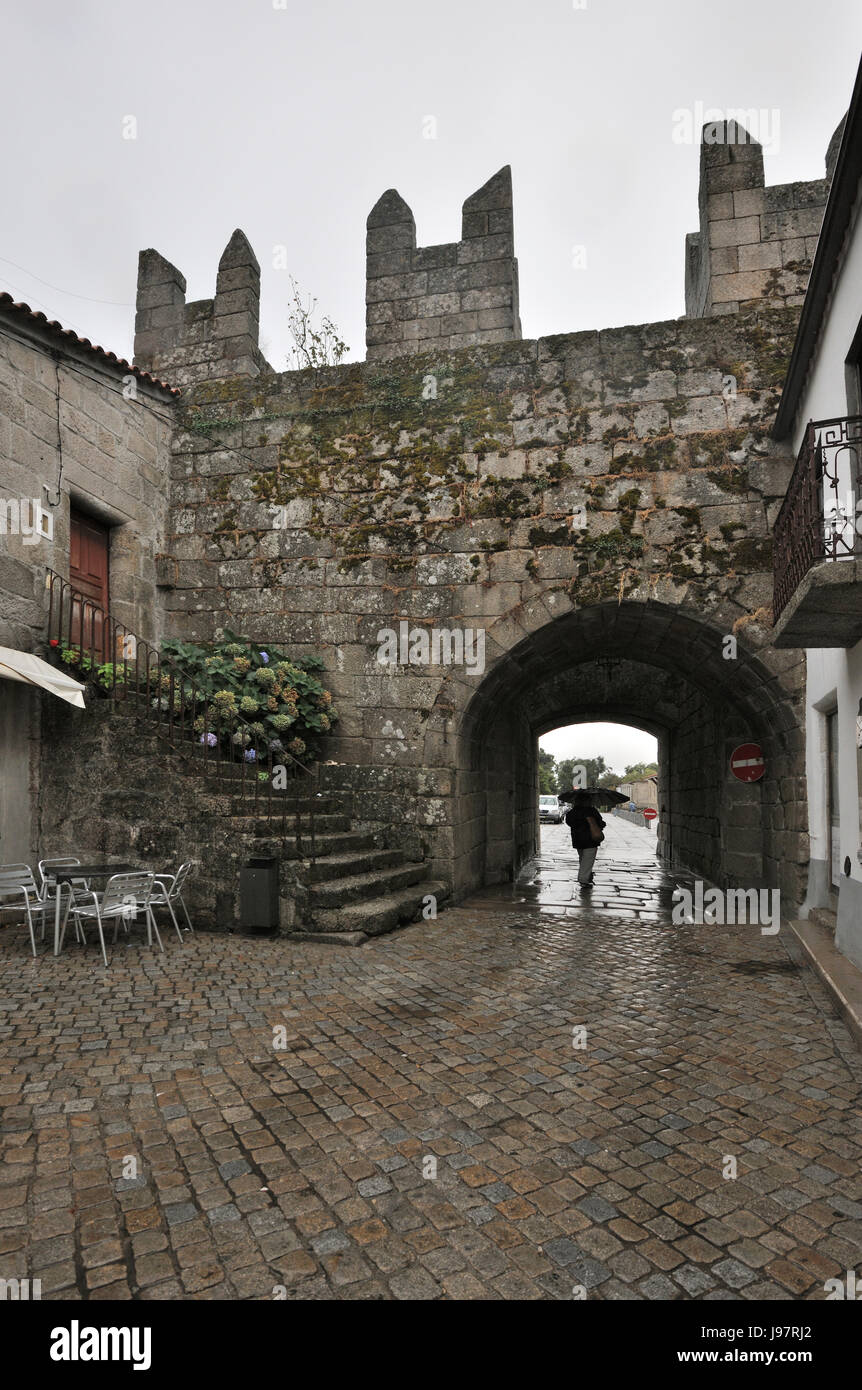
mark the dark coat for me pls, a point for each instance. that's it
(576, 820)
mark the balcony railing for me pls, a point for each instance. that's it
(820, 518)
(129, 670)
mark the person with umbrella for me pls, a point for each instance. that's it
(587, 826)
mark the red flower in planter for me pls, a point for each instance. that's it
(54, 642)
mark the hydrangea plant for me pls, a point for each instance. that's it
(260, 698)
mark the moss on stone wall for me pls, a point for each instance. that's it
(435, 456)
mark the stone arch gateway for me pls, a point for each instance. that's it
(650, 665)
(598, 493)
(597, 505)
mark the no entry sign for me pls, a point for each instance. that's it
(746, 762)
(650, 814)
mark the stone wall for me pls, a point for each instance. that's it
(599, 478)
(431, 298)
(755, 242)
(113, 788)
(66, 425)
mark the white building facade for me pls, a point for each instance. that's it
(818, 545)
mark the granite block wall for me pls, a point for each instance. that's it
(603, 480)
(431, 298)
(208, 338)
(755, 242)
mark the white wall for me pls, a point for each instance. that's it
(835, 671)
(825, 393)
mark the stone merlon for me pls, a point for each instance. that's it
(433, 298)
(206, 339)
(755, 242)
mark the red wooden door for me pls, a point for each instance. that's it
(88, 573)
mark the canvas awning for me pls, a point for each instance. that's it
(23, 666)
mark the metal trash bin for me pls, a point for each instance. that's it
(258, 894)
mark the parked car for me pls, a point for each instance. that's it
(551, 810)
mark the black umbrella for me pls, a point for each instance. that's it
(595, 795)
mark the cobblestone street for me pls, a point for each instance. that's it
(447, 1045)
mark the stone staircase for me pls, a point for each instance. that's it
(133, 781)
(116, 788)
(346, 886)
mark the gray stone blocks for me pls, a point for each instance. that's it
(209, 338)
(458, 294)
(748, 232)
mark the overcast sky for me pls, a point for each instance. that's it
(619, 745)
(289, 119)
(290, 122)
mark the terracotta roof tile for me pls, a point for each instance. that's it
(11, 306)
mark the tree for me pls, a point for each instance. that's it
(609, 779)
(638, 772)
(548, 779)
(312, 347)
(594, 770)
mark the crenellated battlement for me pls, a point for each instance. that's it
(461, 294)
(208, 338)
(755, 242)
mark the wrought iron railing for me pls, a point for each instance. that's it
(271, 784)
(820, 517)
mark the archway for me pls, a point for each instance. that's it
(657, 668)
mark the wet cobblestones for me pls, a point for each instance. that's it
(430, 1131)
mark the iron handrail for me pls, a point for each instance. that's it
(129, 668)
(813, 524)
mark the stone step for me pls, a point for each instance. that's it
(824, 917)
(374, 916)
(231, 774)
(347, 843)
(192, 760)
(341, 892)
(813, 944)
(288, 810)
(335, 866)
(241, 802)
(285, 828)
(280, 802)
(191, 764)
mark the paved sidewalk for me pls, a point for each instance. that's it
(447, 1047)
(627, 874)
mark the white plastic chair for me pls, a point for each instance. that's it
(17, 882)
(124, 897)
(168, 890)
